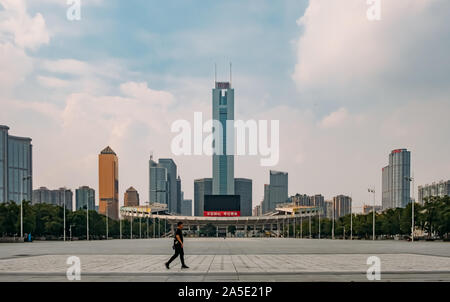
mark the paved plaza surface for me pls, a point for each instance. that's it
(231, 259)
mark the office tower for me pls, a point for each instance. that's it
(243, 188)
(61, 196)
(85, 198)
(276, 192)
(186, 207)
(223, 163)
(436, 189)
(131, 198)
(171, 168)
(158, 183)
(202, 187)
(179, 195)
(395, 186)
(16, 167)
(342, 205)
(108, 180)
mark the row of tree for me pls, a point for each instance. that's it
(431, 219)
(45, 220)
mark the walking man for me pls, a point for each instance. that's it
(178, 246)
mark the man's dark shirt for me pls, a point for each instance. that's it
(179, 233)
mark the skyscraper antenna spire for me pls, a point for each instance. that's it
(215, 73)
(231, 73)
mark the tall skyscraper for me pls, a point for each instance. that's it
(243, 188)
(131, 198)
(85, 198)
(395, 186)
(16, 167)
(276, 192)
(158, 183)
(163, 183)
(108, 180)
(171, 167)
(202, 187)
(223, 164)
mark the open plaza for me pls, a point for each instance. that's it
(230, 259)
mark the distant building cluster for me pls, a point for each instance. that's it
(165, 185)
(57, 197)
(436, 189)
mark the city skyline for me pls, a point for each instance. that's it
(336, 129)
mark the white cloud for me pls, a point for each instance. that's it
(349, 55)
(52, 82)
(28, 32)
(335, 118)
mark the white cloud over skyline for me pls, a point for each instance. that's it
(378, 86)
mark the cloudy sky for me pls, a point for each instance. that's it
(346, 90)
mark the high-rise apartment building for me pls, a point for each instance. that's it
(395, 183)
(223, 163)
(55, 197)
(342, 205)
(85, 198)
(436, 189)
(108, 179)
(131, 198)
(42, 195)
(16, 167)
(243, 188)
(202, 187)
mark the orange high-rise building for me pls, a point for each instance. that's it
(108, 183)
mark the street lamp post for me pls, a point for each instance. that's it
(64, 212)
(320, 212)
(373, 210)
(411, 179)
(21, 203)
(332, 222)
(87, 220)
(351, 217)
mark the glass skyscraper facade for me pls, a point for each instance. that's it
(16, 167)
(276, 192)
(163, 184)
(223, 164)
(243, 188)
(85, 198)
(158, 183)
(395, 184)
(202, 187)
